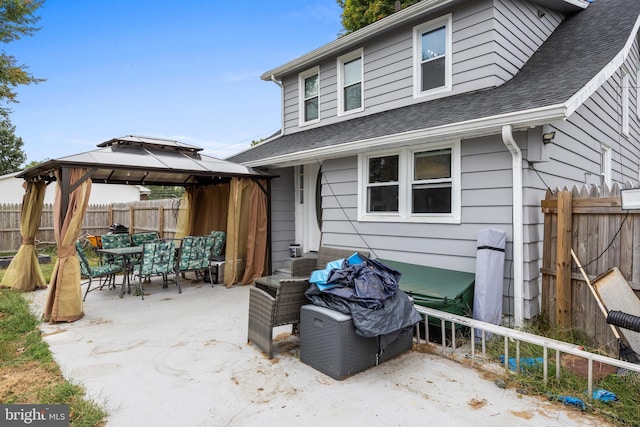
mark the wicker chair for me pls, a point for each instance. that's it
(276, 300)
(276, 305)
(304, 266)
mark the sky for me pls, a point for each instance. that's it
(186, 70)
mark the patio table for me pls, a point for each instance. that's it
(127, 254)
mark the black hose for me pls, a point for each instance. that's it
(624, 320)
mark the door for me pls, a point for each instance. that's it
(309, 207)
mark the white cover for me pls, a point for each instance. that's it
(488, 289)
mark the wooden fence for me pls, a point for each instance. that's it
(591, 222)
(147, 215)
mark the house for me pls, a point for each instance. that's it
(410, 135)
(11, 191)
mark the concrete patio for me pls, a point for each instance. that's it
(183, 360)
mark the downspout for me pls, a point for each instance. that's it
(518, 224)
(279, 83)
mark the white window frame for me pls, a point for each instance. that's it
(625, 89)
(356, 54)
(638, 89)
(605, 164)
(405, 178)
(301, 99)
(417, 56)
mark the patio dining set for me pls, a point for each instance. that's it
(145, 254)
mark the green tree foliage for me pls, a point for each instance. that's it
(17, 20)
(357, 14)
(11, 154)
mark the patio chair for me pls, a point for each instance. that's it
(110, 241)
(105, 273)
(217, 258)
(304, 266)
(137, 239)
(158, 259)
(277, 303)
(194, 255)
(277, 300)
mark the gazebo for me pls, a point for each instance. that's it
(235, 198)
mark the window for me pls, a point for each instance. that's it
(350, 73)
(605, 164)
(625, 104)
(432, 57)
(309, 96)
(412, 184)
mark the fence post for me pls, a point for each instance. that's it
(161, 220)
(563, 260)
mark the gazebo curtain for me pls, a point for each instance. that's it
(64, 300)
(213, 199)
(246, 231)
(24, 273)
(238, 208)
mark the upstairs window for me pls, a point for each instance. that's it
(625, 103)
(309, 96)
(350, 78)
(432, 57)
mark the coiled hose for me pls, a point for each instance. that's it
(624, 320)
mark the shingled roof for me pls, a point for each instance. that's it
(580, 48)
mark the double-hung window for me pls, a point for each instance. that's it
(420, 184)
(350, 72)
(432, 57)
(309, 88)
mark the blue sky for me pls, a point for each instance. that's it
(187, 70)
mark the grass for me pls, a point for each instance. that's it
(623, 412)
(29, 373)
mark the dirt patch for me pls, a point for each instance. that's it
(477, 403)
(20, 384)
(522, 414)
(426, 348)
(580, 366)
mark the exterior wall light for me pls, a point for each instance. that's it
(548, 137)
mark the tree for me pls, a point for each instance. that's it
(17, 20)
(357, 14)
(11, 154)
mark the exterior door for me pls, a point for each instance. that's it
(308, 207)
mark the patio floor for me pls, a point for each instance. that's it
(183, 360)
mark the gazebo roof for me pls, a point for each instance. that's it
(146, 161)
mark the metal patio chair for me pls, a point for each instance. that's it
(194, 255)
(158, 259)
(105, 273)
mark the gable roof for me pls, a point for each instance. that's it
(146, 161)
(585, 49)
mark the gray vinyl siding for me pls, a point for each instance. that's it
(492, 39)
(282, 217)
(486, 202)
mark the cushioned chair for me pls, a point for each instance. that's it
(277, 300)
(158, 259)
(137, 239)
(105, 273)
(276, 305)
(194, 255)
(110, 241)
(217, 258)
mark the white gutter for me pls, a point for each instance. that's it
(518, 224)
(477, 127)
(279, 83)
